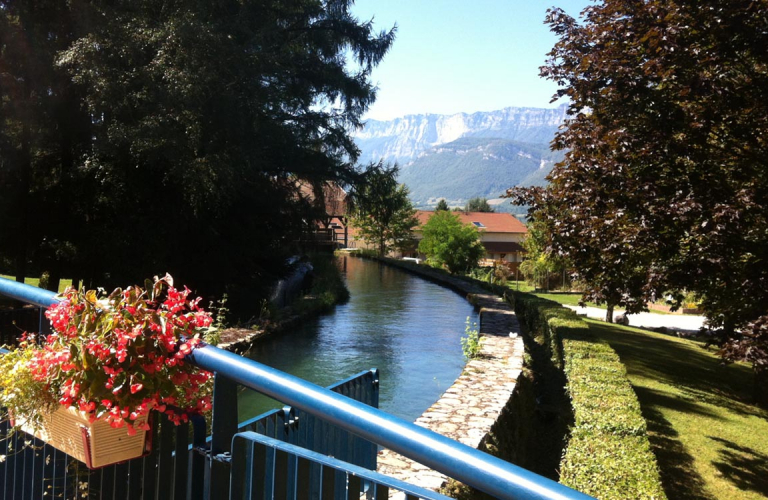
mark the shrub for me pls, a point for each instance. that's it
(470, 342)
(608, 454)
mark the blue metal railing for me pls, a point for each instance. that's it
(286, 469)
(33, 470)
(303, 429)
(468, 465)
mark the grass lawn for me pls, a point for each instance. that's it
(572, 299)
(710, 441)
(521, 285)
(63, 284)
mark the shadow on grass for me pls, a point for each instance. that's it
(678, 474)
(746, 468)
(657, 399)
(699, 375)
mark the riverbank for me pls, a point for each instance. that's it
(327, 291)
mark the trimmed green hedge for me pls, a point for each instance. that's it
(608, 454)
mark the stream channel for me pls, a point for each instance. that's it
(407, 327)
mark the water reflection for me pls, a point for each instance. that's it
(407, 327)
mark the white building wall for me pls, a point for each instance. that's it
(514, 237)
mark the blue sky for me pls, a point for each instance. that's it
(454, 56)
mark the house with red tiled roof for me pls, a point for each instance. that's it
(501, 234)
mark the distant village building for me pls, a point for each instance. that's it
(330, 229)
(501, 234)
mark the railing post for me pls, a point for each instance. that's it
(197, 458)
(223, 429)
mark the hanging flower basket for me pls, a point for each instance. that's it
(97, 443)
(88, 388)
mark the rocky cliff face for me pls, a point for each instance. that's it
(404, 139)
(475, 166)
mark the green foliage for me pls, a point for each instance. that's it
(366, 252)
(447, 242)
(45, 279)
(539, 261)
(663, 185)
(381, 209)
(611, 466)
(495, 275)
(328, 287)
(138, 126)
(219, 312)
(608, 453)
(478, 205)
(328, 278)
(470, 341)
(442, 205)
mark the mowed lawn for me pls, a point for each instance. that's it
(63, 284)
(710, 441)
(572, 299)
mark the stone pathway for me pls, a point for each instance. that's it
(468, 409)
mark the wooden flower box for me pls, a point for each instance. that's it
(96, 444)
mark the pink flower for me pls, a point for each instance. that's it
(130, 336)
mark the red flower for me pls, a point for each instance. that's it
(130, 335)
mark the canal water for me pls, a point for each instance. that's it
(408, 328)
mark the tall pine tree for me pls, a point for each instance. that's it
(201, 119)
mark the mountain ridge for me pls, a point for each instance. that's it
(465, 155)
(402, 139)
(475, 166)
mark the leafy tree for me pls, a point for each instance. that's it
(201, 120)
(42, 132)
(478, 205)
(663, 185)
(382, 210)
(447, 242)
(615, 275)
(442, 205)
(539, 263)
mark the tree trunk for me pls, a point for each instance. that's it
(22, 233)
(609, 314)
(54, 277)
(21, 264)
(761, 388)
